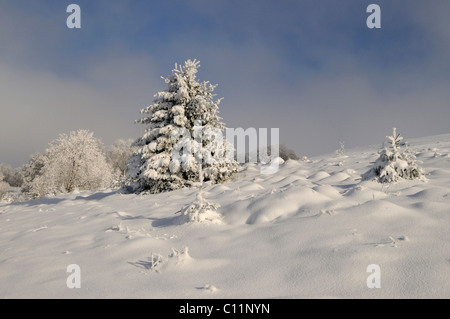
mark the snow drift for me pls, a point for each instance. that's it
(310, 230)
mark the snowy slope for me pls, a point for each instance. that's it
(310, 230)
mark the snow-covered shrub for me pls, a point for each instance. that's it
(200, 211)
(4, 187)
(286, 153)
(394, 162)
(31, 170)
(182, 129)
(12, 176)
(117, 156)
(264, 155)
(74, 161)
(341, 150)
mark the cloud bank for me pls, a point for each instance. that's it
(311, 68)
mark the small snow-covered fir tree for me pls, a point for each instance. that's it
(201, 210)
(394, 162)
(182, 130)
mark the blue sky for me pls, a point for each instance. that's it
(311, 68)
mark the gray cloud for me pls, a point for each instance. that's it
(310, 68)
(37, 106)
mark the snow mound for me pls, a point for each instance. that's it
(220, 188)
(336, 177)
(292, 163)
(277, 161)
(433, 194)
(283, 204)
(363, 193)
(328, 190)
(288, 180)
(319, 176)
(253, 187)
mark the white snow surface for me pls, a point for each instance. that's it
(308, 231)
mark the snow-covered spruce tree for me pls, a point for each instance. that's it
(394, 162)
(74, 161)
(183, 128)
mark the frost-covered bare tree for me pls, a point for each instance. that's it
(4, 187)
(118, 155)
(74, 161)
(31, 170)
(12, 176)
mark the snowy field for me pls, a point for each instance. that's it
(309, 231)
